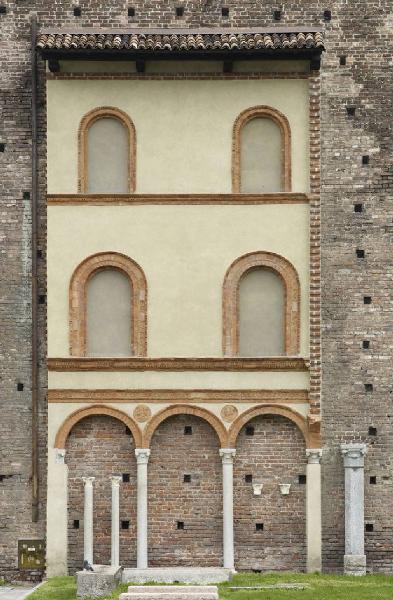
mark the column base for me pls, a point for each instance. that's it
(354, 564)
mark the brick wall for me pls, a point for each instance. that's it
(99, 446)
(274, 454)
(362, 32)
(197, 504)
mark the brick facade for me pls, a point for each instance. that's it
(362, 33)
(274, 454)
(100, 446)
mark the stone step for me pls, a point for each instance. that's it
(166, 592)
(172, 589)
(193, 575)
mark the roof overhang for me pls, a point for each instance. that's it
(139, 45)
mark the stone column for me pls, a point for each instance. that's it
(227, 455)
(115, 547)
(142, 458)
(88, 535)
(354, 558)
(56, 511)
(313, 510)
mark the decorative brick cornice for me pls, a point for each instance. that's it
(178, 364)
(208, 396)
(182, 199)
(230, 299)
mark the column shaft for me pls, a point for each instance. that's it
(313, 511)
(88, 535)
(227, 455)
(142, 457)
(115, 546)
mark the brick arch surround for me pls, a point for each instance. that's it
(86, 122)
(266, 112)
(77, 299)
(273, 455)
(75, 417)
(184, 409)
(230, 299)
(195, 502)
(100, 446)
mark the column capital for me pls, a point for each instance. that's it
(353, 455)
(227, 455)
(116, 480)
(142, 455)
(314, 455)
(88, 481)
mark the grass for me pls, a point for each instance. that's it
(321, 587)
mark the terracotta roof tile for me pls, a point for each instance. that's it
(181, 41)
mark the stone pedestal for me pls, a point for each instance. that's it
(115, 546)
(100, 582)
(354, 559)
(142, 458)
(313, 510)
(88, 535)
(227, 455)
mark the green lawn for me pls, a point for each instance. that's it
(321, 587)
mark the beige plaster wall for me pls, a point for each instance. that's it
(184, 252)
(188, 380)
(184, 128)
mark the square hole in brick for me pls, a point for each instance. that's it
(369, 527)
(180, 525)
(131, 11)
(250, 430)
(126, 477)
(225, 11)
(77, 11)
(19, 387)
(366, 344)
(367, 299)
(187, 478)
(258, 526)
(372, 431)
(365, 159)
(41, 299)
(248, 478)
(302, 479)
(360, 253)
(358, 207)
(343, 61)
(351, 110)
(3, 9)
(327, 15)
(76, 524)
(179, 11)
(277, 15)
(26, 195)
(188, 430)
(368, 387)
(2, 147)
(125, 524)
(373, 480)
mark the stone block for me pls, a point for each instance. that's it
(355, 564)
(191, 575)
(93, 584)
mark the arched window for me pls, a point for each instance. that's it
(108, 328)
(108, 298)
(106, 152)
(261, 307)
(261, 313)
(261, 152)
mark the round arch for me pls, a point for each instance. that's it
(77, 299)
(75, 417)
(183, 409)
(87, 121)
(230, 299)
(281, 120)
(267, 409)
